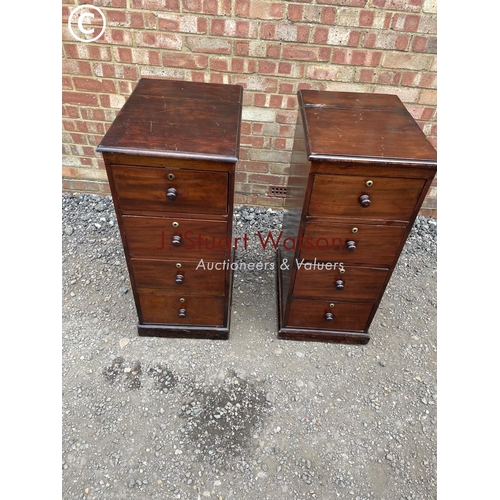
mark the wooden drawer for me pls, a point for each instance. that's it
(165, 275)
(346, 315)
(151, 238)
(389, 198)
(164, 308)
(356, 283)
(144, 189)
(375, 245)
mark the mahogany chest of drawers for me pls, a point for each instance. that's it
(360, 170)
(170, 157)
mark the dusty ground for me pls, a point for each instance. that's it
(251, 417)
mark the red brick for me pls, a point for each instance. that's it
(284, 68)
(291, 102)
(178, 60)
(257, 128)
(209, 6)
(197, 76)
(78, 138)
(267, 67)
(160, 40)
(79, 98)
(427, 80)
(92, 114)
(366, 18)
(276, 101)
(174, 5)
(241, 48)
(116, 17)
(71, 111)
(273, 51)
(217, 27)
(265, 178)
(242, 8)
(356, 57)
(303, 33)
(428, 113)
(366, 76)
(345, 3)
(66, 83)
(405, 22)
(320, 35)
(328, 15)
(69, 125)
(294, 12)
(304, 53)
(192, 6)
(254, 166)
(124, 54)
(389, 77)
(136, 20)
(169, 24)
(259, 100)
(286, 88)
(218, 64)
(242, 28)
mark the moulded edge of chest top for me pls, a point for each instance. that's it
(175, 163)
(380, 169)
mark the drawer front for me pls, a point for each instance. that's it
(374, 245)
(387, 198)
(345, 315)
(161, 308)
(156, 238)
(142, 189)
(186, 279)
(356, 283)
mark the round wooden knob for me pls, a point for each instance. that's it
(179, 278)
(176, 241)
(351, 246)
(171, 194)
(339, 284)
(329, 317)
(182, 313)
(364, 200)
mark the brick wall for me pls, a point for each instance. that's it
(271, 48)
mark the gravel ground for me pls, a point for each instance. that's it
(251, 417)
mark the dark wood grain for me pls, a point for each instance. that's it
(151, 237)
(359, 283)
(142, 189)
(348, 139)
(352, 124)
(161, 275)
(158, 308)
(376, 245)
(346, 315)
(390, 198)
(178, 119)
(170, 158)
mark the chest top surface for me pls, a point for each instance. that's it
(356, 126)
(178, 119)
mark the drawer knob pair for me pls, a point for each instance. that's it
(179, 279)
(176, 241)
(171, 194)
(364, 200)
(182, 313)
